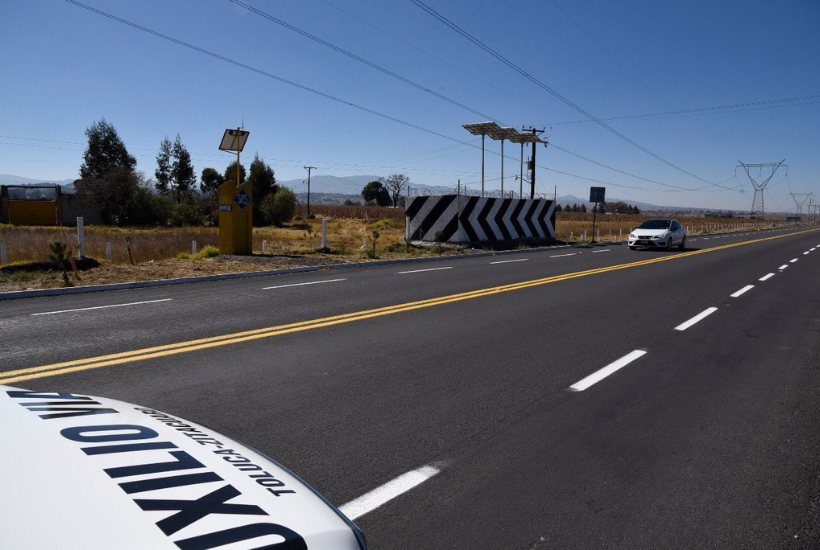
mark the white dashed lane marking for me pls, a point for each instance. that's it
(103, 307)
(766, 277)
(699, 317)
(304, 284)
(612, 368)
(387, 492)
(742, 291)
(423, 270)
(509, 261)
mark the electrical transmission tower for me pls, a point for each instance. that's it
(760, 186)
(800, 200)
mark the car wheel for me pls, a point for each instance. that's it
(633, 248)
(682, 245)
(669, 243)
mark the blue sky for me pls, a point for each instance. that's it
(64, 67)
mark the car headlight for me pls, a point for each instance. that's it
(633, 236)
(661, 236)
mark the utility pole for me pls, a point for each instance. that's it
(759, 187)
(308, 168)
(531, 163)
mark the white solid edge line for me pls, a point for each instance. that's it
(784, 266)
(611, 368)
(597, 251)
(766, 277)
(303, 284)
(423, 270)
(509, 261)
(699, 317)
(563, 255)
(743, 290)
(794, 260)
(104, 307)
(380, 495)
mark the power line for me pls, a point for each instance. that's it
(358, 58)
(437, 58)
(736, 107)
(318, 92)
(633, 75)
(412, 83)
(552, 92)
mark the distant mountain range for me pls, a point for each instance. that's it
(8, 179)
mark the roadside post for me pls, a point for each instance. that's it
(81, 237)
(596, 195)
(324, 233)
(4, 259)
(235, 202)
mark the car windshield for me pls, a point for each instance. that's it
(655, 224)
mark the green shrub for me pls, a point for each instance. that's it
(279, 207)
(184, 214)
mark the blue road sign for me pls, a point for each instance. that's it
(242, 199)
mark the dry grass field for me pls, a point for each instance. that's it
(571, 225)
(166, 252)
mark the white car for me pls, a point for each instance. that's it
(662, 234)
(92, 473)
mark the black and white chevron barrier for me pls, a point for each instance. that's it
(460, 218)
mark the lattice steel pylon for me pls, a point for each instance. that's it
(800, 200)
(759, 186)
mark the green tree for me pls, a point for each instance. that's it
(583, 208)
(210, 181)
(230, 173)
(558, 208)
(375, 191)
(602, 208)
(183, 176)
(279, 207)
(109, 182)
(575, 208)
(163, 171)
(105, 151)
(263, 180)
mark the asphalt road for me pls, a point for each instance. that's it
(456, 379)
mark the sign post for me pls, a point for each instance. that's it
(235, 199)
(596, 195)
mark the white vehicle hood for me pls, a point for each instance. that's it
(650, 232)
(93, 473)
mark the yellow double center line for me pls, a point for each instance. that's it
(55, 369)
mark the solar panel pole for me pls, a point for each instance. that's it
(521, 176)
(482, 164)
(502, 167)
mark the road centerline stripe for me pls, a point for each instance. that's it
(784, 266)
(611, 368)
(794, 260)
(766, 277)
(564, 255)
(423, 270)
(509, 261)
(742, 291)
(381, 495)
(29, 373)
(697, 318)
(102, 307)
(304, 284)
(598, 251)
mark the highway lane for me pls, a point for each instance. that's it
(479, 388)
(211, 309)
